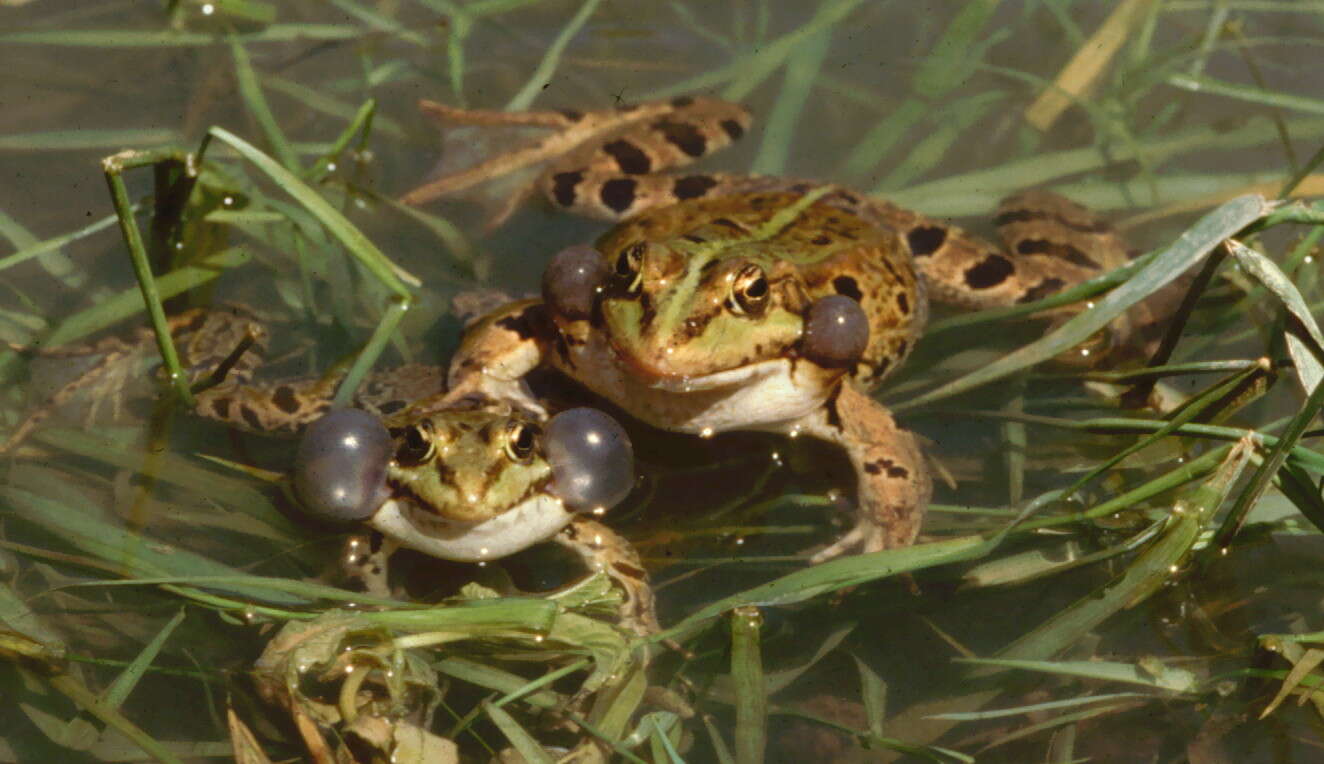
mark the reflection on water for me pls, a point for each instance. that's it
(925, 105)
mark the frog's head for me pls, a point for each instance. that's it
(469, 479)
(683, 312)
(467, 466)
(701, 311)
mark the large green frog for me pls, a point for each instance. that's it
(726, 302)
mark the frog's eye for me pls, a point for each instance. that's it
(836, 332)
(630, 260)
(340, 465)
(749, 291)
(591, 459)
(414, 444)
(521, 440)
(572, 280)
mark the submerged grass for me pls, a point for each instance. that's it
(114, 591)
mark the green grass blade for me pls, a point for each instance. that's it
(751, 701)
(546, 69)
(358, 245)
(873, 691)
(801, 72)
(1161, 678)
(125, 38)
(130, 553)
(523, 742)
(80, 140)
(123, 684)
(1150, 570)
(42, 247)
(1306, 359)
(86, 700)
(720, 748)
(123, 305)
(256, 103)
(840, 573)
(114, 167)
(1032, 708)
(1247, 93)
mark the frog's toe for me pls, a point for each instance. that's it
(843, 545)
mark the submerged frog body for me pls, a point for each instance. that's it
(725, 302)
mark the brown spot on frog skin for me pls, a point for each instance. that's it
(989, 272)
(1038, 216)
(733, 128)
(1041, 290)
(517, 324)
(683, 136)
(564, 185)
(925, 240)
(692, 186)
(196, 322)
(848, 287)
(250, 417)
(902, 303)
(618, 194)
(629, 158)
(892, 469)
(1056, 249)
(285, 400)
(680, 102)
(221, 407)
(833, 416)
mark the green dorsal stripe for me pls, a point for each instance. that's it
(788, 214)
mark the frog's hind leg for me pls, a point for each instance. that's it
(116, 357)
(113, 355)
(601, 548)
(893, 482)
(1050, 244)
(288, 406)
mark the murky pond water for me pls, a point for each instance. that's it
(1141, 620)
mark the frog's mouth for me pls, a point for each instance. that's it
(535, 519)
(655, 376)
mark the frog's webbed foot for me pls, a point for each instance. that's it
(894, 484)
(601, 548)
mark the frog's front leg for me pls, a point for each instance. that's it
(497, 351)
(365, 561)
(894, 485)
(601, 548)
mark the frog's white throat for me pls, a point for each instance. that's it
(535, 520)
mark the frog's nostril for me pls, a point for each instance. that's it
(836, 332)
(340, 465)
(572, 281)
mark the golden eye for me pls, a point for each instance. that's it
(414, 445)
(521, 440)
(749, 291)
(630, 261)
